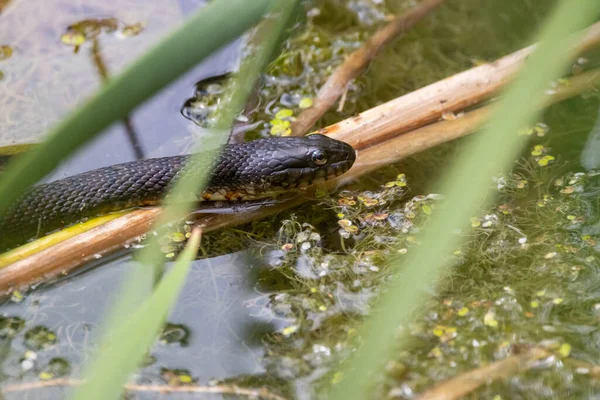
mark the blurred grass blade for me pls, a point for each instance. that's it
(215, 25)
(270, 30)
(130, 342)
(139, 279)
(144, 273)
(466, 186)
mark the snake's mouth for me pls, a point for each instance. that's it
(303, 177)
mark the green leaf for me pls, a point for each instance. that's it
(126, 347)
(108, 373)
(465, 185)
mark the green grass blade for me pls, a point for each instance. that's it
(215, 25)
(270, 30)
(466, 186)
(118, 359)
(138, 282)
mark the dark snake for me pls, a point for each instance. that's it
(254, 170)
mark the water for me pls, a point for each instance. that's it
(280, 306)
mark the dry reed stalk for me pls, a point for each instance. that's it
(461, 385)
(259, 393)
(379, 125)
(356, 63)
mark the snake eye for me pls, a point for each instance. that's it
(319, 157)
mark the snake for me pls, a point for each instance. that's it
(254, 170)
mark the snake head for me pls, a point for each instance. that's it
(311, 159)
(261, 167)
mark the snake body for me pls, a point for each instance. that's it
(254, 170)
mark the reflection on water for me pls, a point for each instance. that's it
(214, 331)
(44, 79)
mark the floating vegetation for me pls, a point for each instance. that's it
(90, 29)
(202, 106)
(39, 338)
(5, 52)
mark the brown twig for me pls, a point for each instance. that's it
(108, 238)
(452, 94)
(356, 63)
(74, 252)
(261, 393)
(105, 239)
(464, 384)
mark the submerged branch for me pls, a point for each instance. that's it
(380, 126)
(259, 393)
(466, 383)
(356, 63)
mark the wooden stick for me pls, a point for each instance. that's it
(260, 393)
(466, 383)
(356, 63)
(77, 251)
(106, 239)
(428, 104)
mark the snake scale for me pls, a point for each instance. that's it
(254, 170)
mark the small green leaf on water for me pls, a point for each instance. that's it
(73, 38)
(284, 113)
(401, 180)
(439, 330)
(46, 376)
(534, 304)
(178, 237)
(542, 162)
(289, 330)
(426, 209)
(490, 319)
(558, 300)
(5, 52)
(306, 102)
(279, 130)
(463, 311)
(475, 222)
(278, 121)
(17, 297)
(565, 350)
(538, 150)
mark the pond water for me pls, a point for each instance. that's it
(277, 303)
